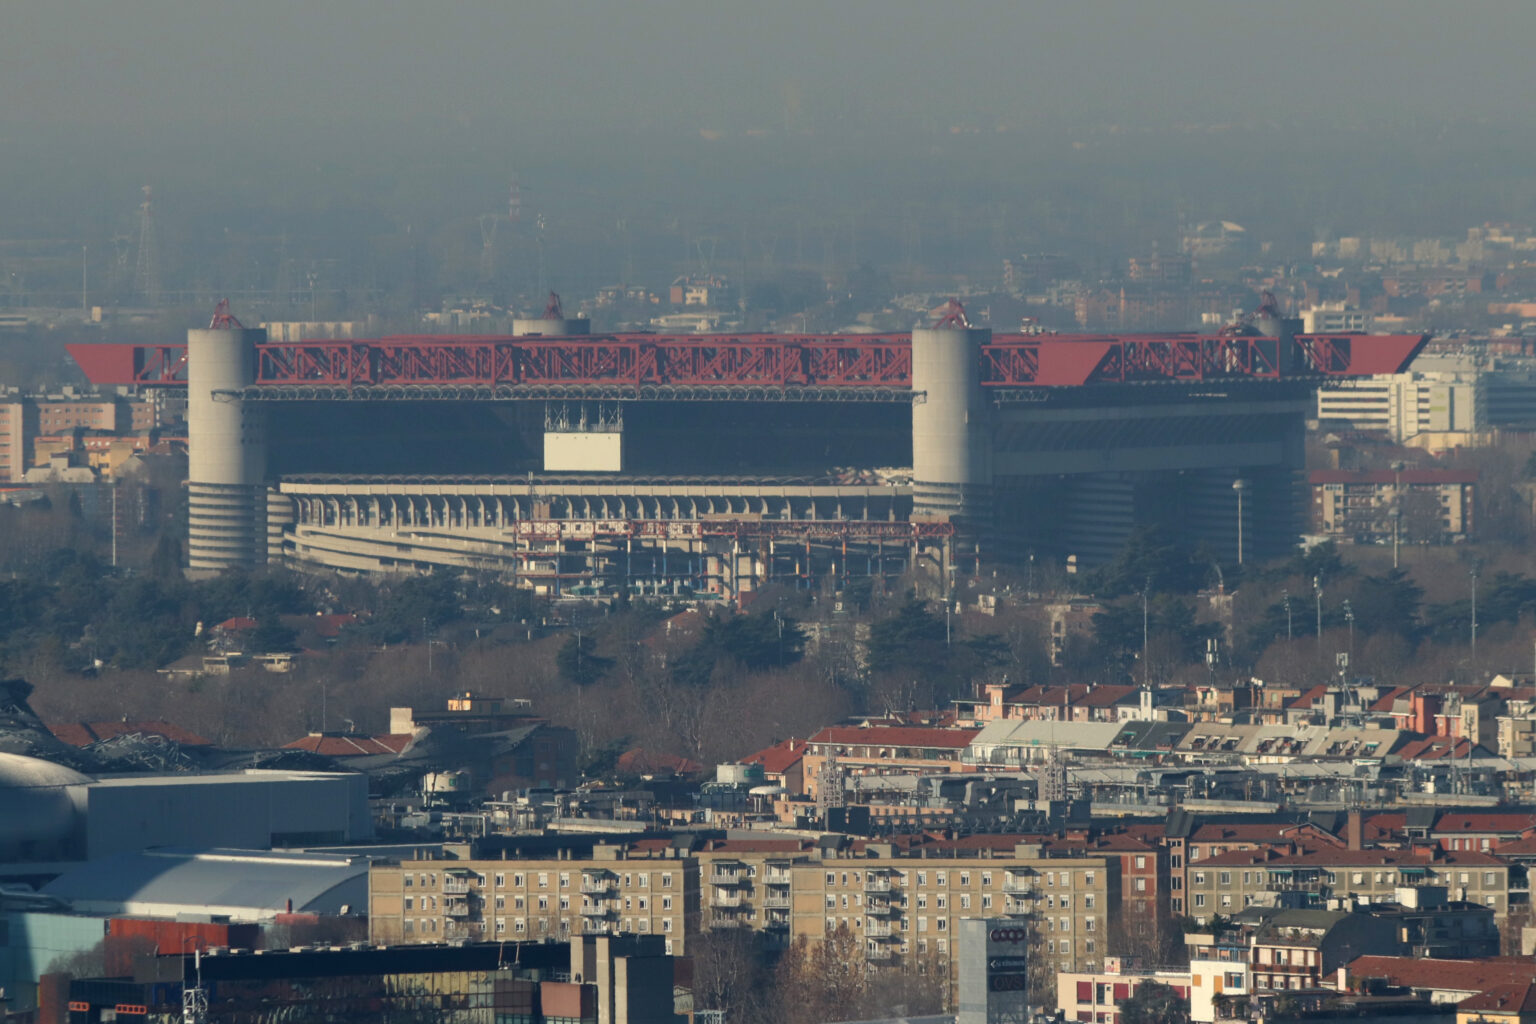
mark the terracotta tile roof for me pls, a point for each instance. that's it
(760, 846)
(896, 736)
(348, 745)
(1418, 857)
(1428, 973)
(1254, 832)
(779, 758)
(82, 734)
(1525, 846)
(237, 624)
(639, 761)
(1517, 998)
(1452, 822)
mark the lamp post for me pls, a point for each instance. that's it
(1349, 617)
(1474, 623)
(1317, 589)
(1239, 486)
(1397, 509)
(1144, 630)
(1285, 595)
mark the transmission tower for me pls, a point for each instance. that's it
(146, 275)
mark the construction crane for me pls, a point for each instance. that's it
(1267, 309)
(223, 319)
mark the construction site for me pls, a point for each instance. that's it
(711, 464)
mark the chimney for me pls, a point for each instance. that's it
(1354, 831)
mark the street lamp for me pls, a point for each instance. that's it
(1397, 509)
(1239, 486)
(1317, 589)
(1349, 617)
(1285, 595)
(1474, 623)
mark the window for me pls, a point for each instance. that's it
(645, 879)
(1357, 878)
(922, 901)
(922, 924)
(965, 901)
(543, 879)
(922, 878)
(666, 924)
(941, 901)
(543, 902)
(1088, 946)
(565, 879)
(942, 924)
(666, 880)
(1199, 899)
(408, 903)
(666, 903)
(480, 880)
(941, 878)
(1141, 885)
(409, 881)
(1198, 879)
(644, 902)
(1226, 901)
(1088, 924)
(1088, 902)
(1224, 877)
(986, 879)
(1490, 879)
(986, 901)
(965, 878)
(501, 903)
(1141, 862)
(501, 881)
(517, 881)
(1087, 877)
(1066, 925)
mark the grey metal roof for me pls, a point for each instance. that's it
(245, 884)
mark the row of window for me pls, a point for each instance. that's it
(1490, 878)
(641, 880)
(519, 902)
(941, 878)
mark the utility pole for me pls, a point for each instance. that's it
(1397, 509)
(1349, 617)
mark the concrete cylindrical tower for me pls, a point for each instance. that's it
(227, 453)
(951, 428)
(550, 326)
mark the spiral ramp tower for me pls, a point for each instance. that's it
(227, 458)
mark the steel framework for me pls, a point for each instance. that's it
(745, 367)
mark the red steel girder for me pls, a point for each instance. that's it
(634, 361)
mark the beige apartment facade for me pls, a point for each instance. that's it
(618, 890)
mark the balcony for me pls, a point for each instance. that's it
(455, 887)
(776, 901)
(457, 910)
(729, 900)
(777, 878)
(1019, 885)
(878, 952)
(591, 886)
(877, 883)
(727, 878)
(596, 908)
(878, 930)
(723, 923)
(777, 922)
(881, 908)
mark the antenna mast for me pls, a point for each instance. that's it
(146, 275)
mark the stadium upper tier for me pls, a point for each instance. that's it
(744, 365)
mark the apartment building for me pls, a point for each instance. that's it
(1191, 845)
(905, 899)
(1413, 505)
(650, 887)
(1229, 882)
(884, 750)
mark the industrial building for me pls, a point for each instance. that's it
(714, 463)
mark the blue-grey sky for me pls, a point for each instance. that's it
(254, 66)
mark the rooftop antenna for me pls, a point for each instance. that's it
(146, 275)
(194, 1000)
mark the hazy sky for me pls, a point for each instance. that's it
(258, 66)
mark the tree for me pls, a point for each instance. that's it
(1154, 1003)
(1151, 559)
(579, 662)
